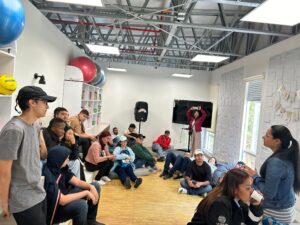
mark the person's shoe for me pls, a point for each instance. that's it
(162, 174)
(167, 176)
(127, 183)
(138, 182)
(94, 222)
(182, 190)
(106, 179)
(161, 159)
(100, 182)
(204, 194)
(178, 175)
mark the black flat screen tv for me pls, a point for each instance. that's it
(181, 106)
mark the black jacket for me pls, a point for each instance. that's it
(50, 138)
(226, 211)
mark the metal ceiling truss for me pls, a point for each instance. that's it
(167, 36)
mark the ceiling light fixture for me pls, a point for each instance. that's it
(116, 69)
(182, 75)
(209, 58)
(275, 12)
(103, 49)
(97, 3)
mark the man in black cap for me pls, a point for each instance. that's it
(22, 192)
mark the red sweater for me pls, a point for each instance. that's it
(164, 141)
(198, 122)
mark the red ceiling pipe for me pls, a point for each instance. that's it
(103, 25)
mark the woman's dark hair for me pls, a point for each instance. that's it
(193, 113)
(67, 127)
(213, 158)
(103, 134)
(228, 186)
(289, 150)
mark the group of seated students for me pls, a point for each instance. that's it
(123, 154)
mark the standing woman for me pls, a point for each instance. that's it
(279, 175)
(196, 116)
(99, 158)
(230, 203)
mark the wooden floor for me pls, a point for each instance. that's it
(156, 201)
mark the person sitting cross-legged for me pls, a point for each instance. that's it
(142, 155)
(162, 145)
(67, 196)
(197, 176)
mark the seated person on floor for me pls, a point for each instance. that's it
(197, 176)
(180, 164)
(212, 162)
(222, 169)
(70, 142)
(84, 140)
(142, 155)
(131, 134)
(162, 145)
(124, 166)
(115, 135)
(62, 113)
(54, 132)
(67, 196)
(99, 158)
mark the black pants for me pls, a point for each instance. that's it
(103, 167)
(85, 143)
(36, 215)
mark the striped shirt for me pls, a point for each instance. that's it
(285, 216)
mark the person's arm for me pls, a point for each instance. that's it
(254, 215)
(119, 156)
(131, 154)
(202, 118)
(89, 136)
(95, 149)
(188, 113)
(43, 148)
(5, 178)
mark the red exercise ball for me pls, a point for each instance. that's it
(87, 67)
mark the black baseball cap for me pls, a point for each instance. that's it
(140, 136)
(32, 92)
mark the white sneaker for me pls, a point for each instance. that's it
(100, 182)
(182, 190)
(106, 179)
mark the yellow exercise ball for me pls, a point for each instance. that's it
(8, 84)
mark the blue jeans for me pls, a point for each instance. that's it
(195, 191)
(159, 150)
(123, 172)
(79, 210)
(140, 162)
(179, 163)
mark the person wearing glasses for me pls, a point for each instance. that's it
(22, 192)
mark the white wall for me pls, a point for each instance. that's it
(159, 89)
(42, 49)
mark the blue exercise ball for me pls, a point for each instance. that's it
(102, 81)
(102, 76)
(12, 20)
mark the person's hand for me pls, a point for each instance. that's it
(5, 211)
(256, 201)
(191, 184)
(198, 184)
(187, 154)
(91, 197)
(94, 192)
(251, 172)
(111, 157)
(71, 138)
(93, 138)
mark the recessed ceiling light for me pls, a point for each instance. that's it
(276, 12)
(209, 58)
(116, 69)
(182, 75)
(97, 3)
(103, 49)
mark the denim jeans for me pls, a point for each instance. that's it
(79, 210)
(123, 172)
(195, 191)
(32, 216)
(140, 162)
(179, 163)
(159, 150)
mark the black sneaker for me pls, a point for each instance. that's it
(127, 183)
(161, 159)
(163, 174)
(94, 222)
(138, 182)
(167, 176)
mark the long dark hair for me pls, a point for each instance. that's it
(103, 134)
(289, 150)
(229, 184)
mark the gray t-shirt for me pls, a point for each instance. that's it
(19, 142)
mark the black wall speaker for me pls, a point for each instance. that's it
(141, 111)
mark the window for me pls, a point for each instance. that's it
(207, 140)
(251, 119)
